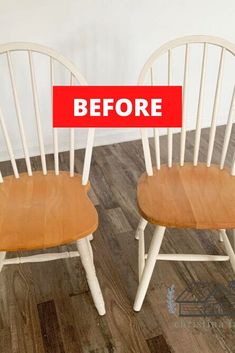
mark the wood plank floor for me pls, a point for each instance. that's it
(47, 307)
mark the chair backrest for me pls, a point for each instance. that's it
(53, 63)
(207, 56)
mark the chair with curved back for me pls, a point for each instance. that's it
(44, 208)
(188, 195)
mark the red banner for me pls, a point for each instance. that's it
(117, 106)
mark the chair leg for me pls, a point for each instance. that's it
(228, 248)
(149, 266)
(220, 237)
(141, 254)
(233, 239)
(141, 227)
(2, 257)
(85, 250)
(90, 237)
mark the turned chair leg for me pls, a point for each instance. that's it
(86, 255)
(2, 257)
(141, 227)
(149, 266)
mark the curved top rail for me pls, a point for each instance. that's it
(41, 49)
(183, 41)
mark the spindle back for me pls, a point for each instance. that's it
(208, 63)
(16, 93)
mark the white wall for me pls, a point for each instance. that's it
(110, 40)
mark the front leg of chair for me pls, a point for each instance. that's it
(86, 255)
(141, 227)
(2, 257)
(141, 253)
(149, 266)
(90, 237)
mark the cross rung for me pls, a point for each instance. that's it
(41, 257)
(191, 257)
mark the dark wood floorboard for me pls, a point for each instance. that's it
(47, 307)
(158, 345)
(50, 329)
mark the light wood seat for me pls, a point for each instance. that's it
(44, 211)
(188, 197)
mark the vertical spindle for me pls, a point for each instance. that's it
(228, 130)
(37, 114)
(19, 114)
(146, 149)
(9, 145)
(72, 148)
(156, 132)
(88, 155)
(169, 131)
(183, 130)
(215, 109)
(55, 130)
(199, 107)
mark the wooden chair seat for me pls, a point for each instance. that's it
(41, 211)
(188, 197)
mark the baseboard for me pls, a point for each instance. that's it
(101, 138)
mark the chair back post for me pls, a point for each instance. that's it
(148, 71)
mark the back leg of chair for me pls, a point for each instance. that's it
(141, 227)
(2, 257)
(85, 251)
(149, 266)
(233, 239)
(228, 248)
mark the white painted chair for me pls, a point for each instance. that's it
(45, 208)
(187, 195)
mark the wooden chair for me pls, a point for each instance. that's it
(187, 195)
(43, 209)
